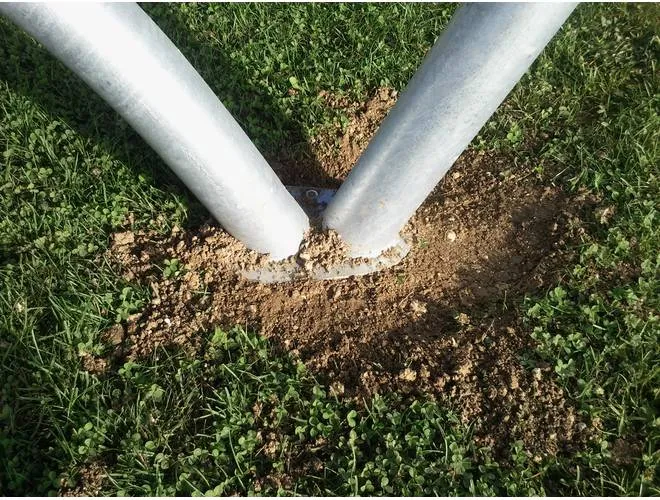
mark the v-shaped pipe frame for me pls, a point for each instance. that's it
(124, 57)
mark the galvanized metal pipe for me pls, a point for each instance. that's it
(467, 74)
(123, 56)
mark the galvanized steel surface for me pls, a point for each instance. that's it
(123, 56)
(464, 78)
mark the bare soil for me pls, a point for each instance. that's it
(90, 480)
(442, 322)
(322, 248)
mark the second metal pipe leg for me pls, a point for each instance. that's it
(467, 74)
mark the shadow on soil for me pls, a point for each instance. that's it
(468, 346)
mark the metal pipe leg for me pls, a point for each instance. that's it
(464, 78)
(123, 56)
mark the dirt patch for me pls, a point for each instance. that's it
(325, 249)
(338, 150)
(441, 322)
(626, 452)
(114, 338)
(90, 481)
(94, 364)
(332, 153)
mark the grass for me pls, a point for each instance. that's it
(71, 172)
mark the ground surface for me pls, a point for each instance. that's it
(437, 323)
(515, 351)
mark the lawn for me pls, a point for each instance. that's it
(242, 416)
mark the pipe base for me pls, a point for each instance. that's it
(314, 201)
(285, 271)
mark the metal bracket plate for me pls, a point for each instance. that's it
(313, 200)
